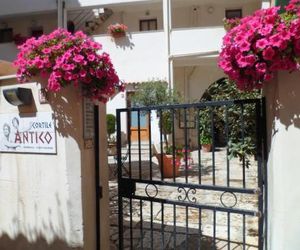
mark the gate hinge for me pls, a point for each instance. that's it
(127, 188)
(258, 191)
(259, 214)
(99, 192)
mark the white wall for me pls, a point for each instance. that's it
(196, 40)
(283, 128)
(191, 82)
(138, 57)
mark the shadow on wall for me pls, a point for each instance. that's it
(282, 102)
(124, 42)
(66, 105)
(46, 233)
(22, 243)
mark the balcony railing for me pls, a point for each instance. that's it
(140, 56)
(196, 40)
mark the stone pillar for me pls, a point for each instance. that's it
(283, 127)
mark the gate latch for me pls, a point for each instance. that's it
(127, 188)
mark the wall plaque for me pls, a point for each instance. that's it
(88, 119)
(28, 134)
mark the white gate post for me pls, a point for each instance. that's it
(283, 128)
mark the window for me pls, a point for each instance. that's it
(148, 24)
(6, 35)
(37, 31)
(236, 13)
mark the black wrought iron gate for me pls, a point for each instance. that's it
(206, 200)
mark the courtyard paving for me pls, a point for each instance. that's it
(177, 227)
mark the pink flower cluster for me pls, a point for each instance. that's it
(261, 45)
(69, 60)
(116, 28)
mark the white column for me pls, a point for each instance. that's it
(61, 14)
(283, 127)
(167, 17)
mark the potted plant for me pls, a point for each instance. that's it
(111, 129)
(69, 60)
(117, 30)
(206, 142)
(169, 166)
(205, 124)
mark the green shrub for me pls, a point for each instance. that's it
(111, 124)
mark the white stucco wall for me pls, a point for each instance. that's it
(196, 40)
(283, 127)
(137, 57)
(191, 82)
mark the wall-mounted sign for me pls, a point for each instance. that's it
(88, 119)
(29, 134)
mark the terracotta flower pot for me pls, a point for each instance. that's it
(112, 148)
(167, 170)
(118, 34)
(206, 147)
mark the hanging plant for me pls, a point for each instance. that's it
(69, 59)
(262, 44)
(117, 30)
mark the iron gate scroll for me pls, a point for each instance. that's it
(211, 200)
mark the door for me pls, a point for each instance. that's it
(138, 121)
